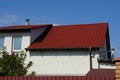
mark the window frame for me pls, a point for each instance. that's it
(13, 42)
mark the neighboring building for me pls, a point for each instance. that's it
(101, 72)
(61, 50)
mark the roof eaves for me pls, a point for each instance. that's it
(95, 48)
(23, 27)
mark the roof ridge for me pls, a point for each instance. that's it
(82, 24)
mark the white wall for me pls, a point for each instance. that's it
(61, 62)
(95, 55)
(107, 65)
(25, 41)
(8, 42)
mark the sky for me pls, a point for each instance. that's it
(63, 12)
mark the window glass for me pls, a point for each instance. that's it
(17, 42)
(1, 42)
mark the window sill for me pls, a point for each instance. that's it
(16, 50)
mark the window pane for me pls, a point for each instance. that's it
(1, 42)
(17, 42)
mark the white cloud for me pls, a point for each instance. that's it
(56, 25)
(8, 19)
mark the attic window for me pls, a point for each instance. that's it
(17, 43)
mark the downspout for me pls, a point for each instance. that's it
(90, 50)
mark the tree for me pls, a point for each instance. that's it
(14, 64)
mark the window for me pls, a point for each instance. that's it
(17, 42)
(1, 42)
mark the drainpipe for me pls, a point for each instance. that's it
(90, 50)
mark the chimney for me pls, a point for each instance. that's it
(27, 22)
(113, 53)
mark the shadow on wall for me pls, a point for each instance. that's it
(60, 53)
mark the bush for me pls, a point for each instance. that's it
(13, 64)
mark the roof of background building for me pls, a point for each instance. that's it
(117, 59)
(23, 27)
(73, 36)
(101, 72)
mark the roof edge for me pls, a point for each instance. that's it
(82, 24)
(95, 48)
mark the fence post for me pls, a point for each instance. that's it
(117, 71)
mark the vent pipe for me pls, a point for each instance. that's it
(27, 22)
(113, 53)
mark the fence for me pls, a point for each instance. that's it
(58, 78)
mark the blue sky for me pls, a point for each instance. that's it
(14, 12)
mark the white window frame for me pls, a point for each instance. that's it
(13, 44)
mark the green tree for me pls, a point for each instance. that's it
(14, 64)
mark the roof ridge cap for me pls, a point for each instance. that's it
(81, 24)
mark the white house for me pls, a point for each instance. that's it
(61, 50)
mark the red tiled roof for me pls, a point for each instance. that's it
(73, 36)
(22, 27)
(101, 72)
(117, 59)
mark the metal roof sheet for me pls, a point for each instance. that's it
(73, 36)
